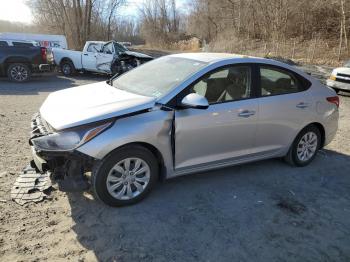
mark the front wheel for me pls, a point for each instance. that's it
(18, 72)
(126, 176)
(304, 147)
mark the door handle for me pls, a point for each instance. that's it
(246, 113)
(86, 54)
(302, 105)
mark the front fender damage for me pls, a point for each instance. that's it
(67, 169)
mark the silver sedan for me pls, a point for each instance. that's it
(177, 115)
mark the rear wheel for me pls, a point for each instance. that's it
(304, 147)
(67, 68)
(18, 72)
(125, 177)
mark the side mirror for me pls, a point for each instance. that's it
(194, 101)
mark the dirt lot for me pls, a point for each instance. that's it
(265, 211)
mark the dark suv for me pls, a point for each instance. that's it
(19, 61)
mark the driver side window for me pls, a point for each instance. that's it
(226, 84)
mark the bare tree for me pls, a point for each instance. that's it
(113, 5)
(77, 19)
(159, 22)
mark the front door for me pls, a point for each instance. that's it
(89, 57)
(226, 130)
(105, 58)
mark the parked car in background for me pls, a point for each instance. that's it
(19, 59)
(18, 43)
(340, 78)
(177, 115)
(99, 57)
(48, 41)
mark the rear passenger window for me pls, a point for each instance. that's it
(275, 81)
(21, 44)
(3, 43)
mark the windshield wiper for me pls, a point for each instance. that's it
(110, 81)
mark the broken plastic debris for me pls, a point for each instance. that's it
(31, 186)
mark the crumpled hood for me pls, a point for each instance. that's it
(137, 54)
(90, 103)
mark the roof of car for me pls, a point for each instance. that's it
(96, 42)
(210, 57)
(19, 41)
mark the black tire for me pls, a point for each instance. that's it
(115, 69)
(337, 90)
(67, 68)
(292, 157)
(101, 170)
(18, 72)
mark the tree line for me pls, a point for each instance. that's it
(273, 26)
(82, 20)
(277, 27)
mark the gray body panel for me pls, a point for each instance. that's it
(218, 133)
(216, 137)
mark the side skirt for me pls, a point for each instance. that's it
(221, 164)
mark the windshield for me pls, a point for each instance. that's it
(158, 77)
(347, 64)
(120, 48)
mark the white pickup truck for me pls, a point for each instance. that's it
(100, 57)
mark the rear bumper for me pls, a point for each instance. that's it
(43, 68)
(338, 85)
(331, 127)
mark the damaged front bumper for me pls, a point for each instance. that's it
(67, 168)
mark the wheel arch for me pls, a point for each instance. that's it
(16, 60)
(66, 59)
(155, 151)
(322, 130)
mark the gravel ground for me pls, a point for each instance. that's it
(264, 211)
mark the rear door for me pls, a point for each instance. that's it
(226, 130)
(284, 108)
(105, 58)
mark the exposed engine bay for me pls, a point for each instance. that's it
(128, 60)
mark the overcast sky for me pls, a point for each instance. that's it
(17, 10)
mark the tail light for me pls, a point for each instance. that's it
(333, 100)
(43, 54)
